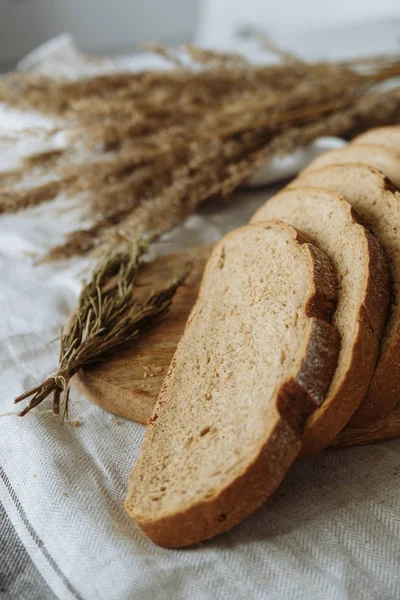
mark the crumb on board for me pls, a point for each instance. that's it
(116, 421)
(151, 371)
(65, 494)
(34, 475)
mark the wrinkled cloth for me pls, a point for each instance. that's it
(331, 531)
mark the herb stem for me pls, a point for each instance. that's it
(108, 317)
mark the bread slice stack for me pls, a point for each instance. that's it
(291, 339)
(360, 265)
(377, 203)
(373, 193)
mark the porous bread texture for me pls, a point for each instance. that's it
(386, 160)
(256, 357)
(385, 136)
(330, 222)
(377, 203)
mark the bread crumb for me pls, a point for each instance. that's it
(116, 421)
(34, 475)
(65, 494)
(151, 371)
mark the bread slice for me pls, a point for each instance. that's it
(256, 357)
(385, 136)
(385, 159)
(330, 222)
(377, 202)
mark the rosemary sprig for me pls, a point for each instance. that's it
(108, 317)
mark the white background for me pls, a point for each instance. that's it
(115, 26)
(109, 26)
(219, 17)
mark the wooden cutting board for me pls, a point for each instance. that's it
(128, 383)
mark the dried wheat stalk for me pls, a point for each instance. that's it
(145, 149)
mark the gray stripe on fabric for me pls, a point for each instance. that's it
(19, 578)
(38, 542)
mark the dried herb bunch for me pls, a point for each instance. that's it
(145, 149)
(108, 317)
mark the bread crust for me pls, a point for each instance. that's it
(294, 401)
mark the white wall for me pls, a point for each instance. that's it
(220, 18)
(108, 26)
(114, 26)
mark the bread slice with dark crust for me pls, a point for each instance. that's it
(388, 136)
(377, 202)
(385, 159)
(257, 356)
(331, 223)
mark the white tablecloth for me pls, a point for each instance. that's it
(331, 532)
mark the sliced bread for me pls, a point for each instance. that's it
(330, 222)
(377, 202)
(386, 160)
(385, 136)
(257, 356)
